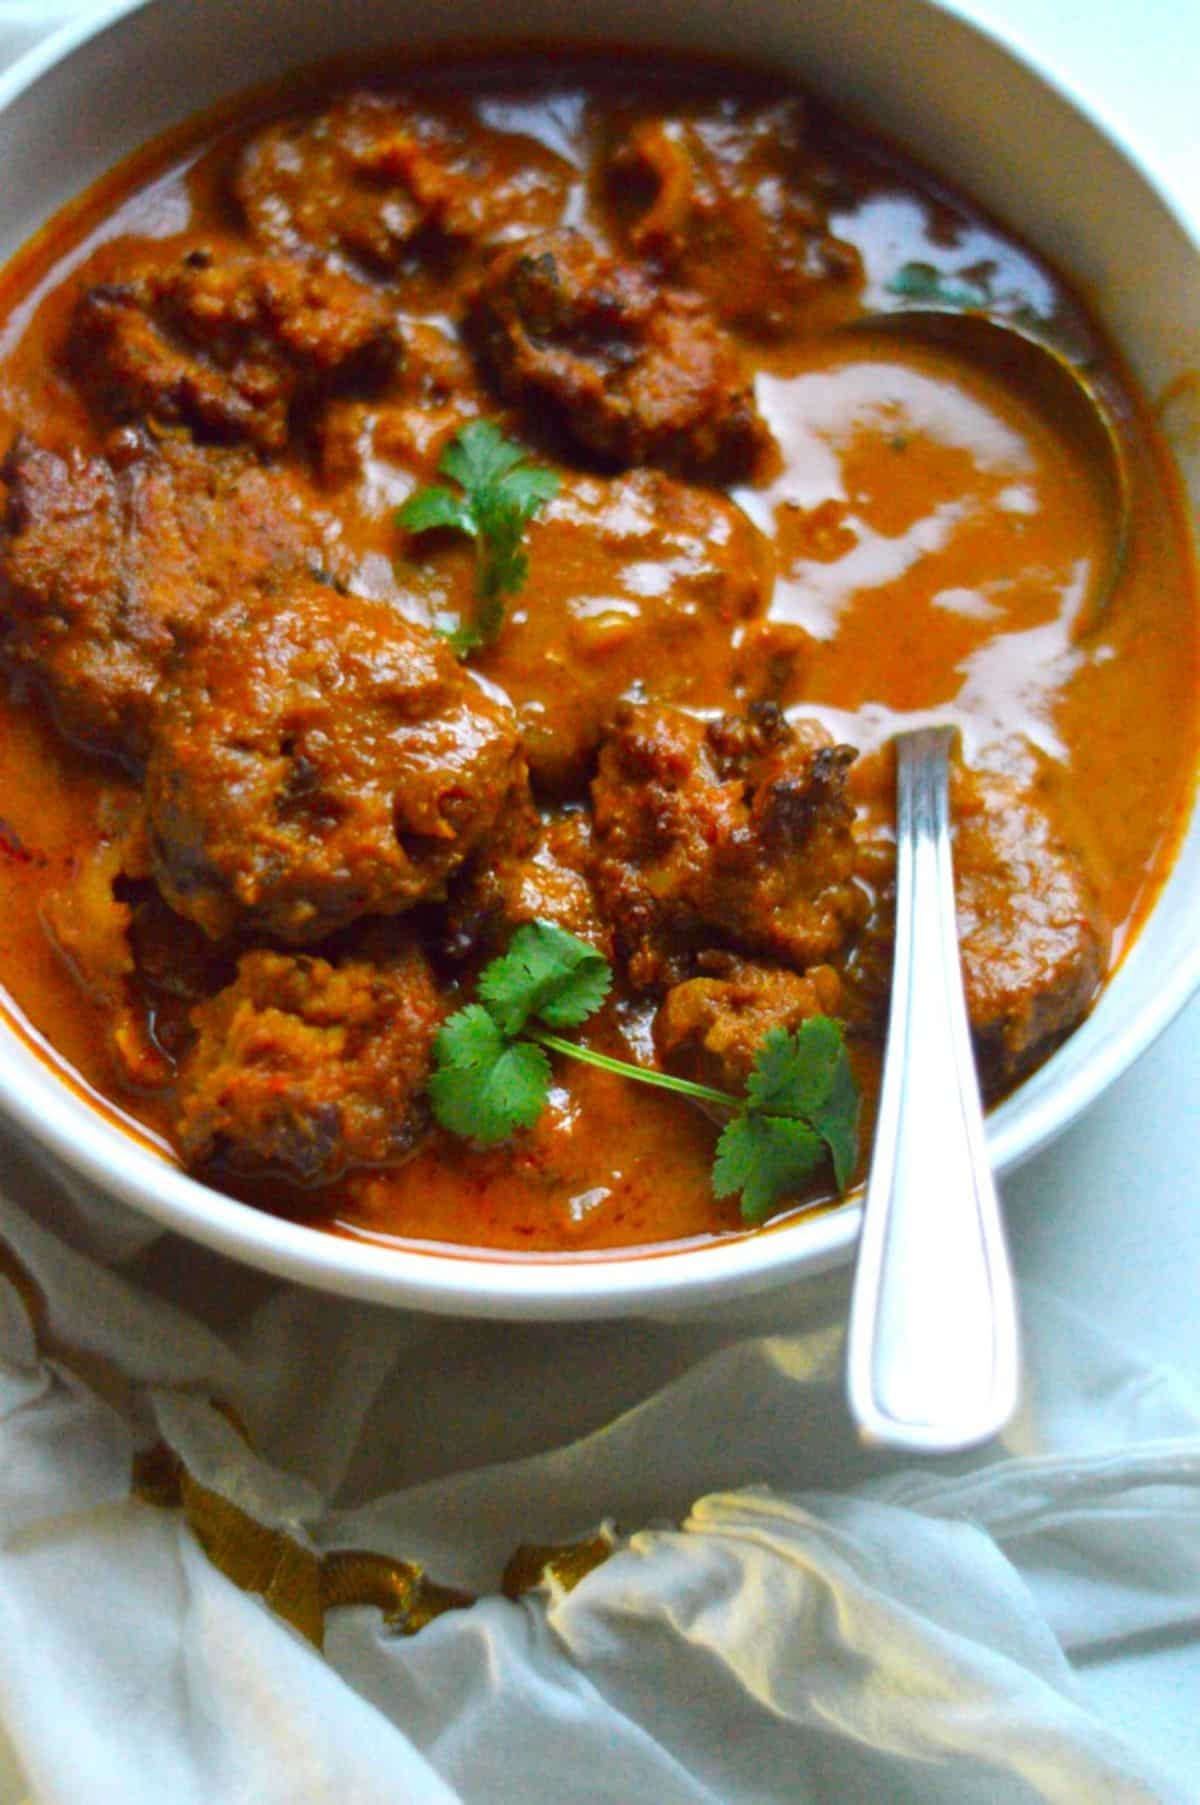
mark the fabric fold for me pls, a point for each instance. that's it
(783, 1616)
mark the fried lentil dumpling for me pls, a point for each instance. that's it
(710, 1028)
(317, 758)
(1033, 941)
(227, 345)
(631, 371)
(393, 183)
(530, 868)
(303, 1068)
(1034, 949)
(105, 569)
(734, 834)
(727, 198)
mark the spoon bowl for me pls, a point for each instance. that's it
(1060, 389)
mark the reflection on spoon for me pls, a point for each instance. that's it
(1060, 389)
(932, 1341)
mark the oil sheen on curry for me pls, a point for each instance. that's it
(287, 761)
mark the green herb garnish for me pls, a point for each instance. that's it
(498, 495)
(486, 1084)
(548, 974)
(492, 1073)
(801, 1107)
(922, 282)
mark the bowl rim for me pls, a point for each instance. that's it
(57, 1116)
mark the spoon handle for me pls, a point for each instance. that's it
(932, 1343)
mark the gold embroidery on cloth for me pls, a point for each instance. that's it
(407, 1598)
(299, 1584)
(564, 1564)
(286, 1575)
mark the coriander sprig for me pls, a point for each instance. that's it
(922, 282)
(492, 1073)
(498, 494)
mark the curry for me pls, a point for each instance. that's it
(286, 762)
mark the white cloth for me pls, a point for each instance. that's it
(782, 1620)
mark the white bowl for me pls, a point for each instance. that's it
(96, 91)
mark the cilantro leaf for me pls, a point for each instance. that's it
(807, 1075)
(484, 1086)
(776, 1074)
(469, 1039)
(793, 1073)
(501, 493)
(430, 509)
(504, 512)
(767, 1159)
(922, 282)
(478, 456)
(507, 565)
(836, 1120)
(547, 973)
(526, 487)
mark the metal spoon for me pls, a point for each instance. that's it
(932, 1355)
(1059, 388)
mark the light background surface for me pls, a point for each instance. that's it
(1109, 1217)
